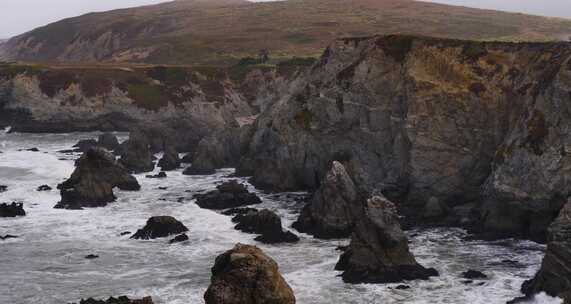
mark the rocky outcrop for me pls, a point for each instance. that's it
(12, 210)
(245, 275)
(44, 188)
(108, 141)
(137, 156)
(378, 252)
(118, 300)
(230, 194)
(554, 277)
(84, 145)
(331, 212)
(91, 184)
(422, 119)
(160, 226)
(170, 160)
(267, 224)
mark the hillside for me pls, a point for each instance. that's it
(223, 31)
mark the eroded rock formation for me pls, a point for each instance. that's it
(230, 194)
(137, 156)
(160, 226)
(245, 275)
(266, 223)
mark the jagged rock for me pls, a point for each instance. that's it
(119, 300)
(8, 236)
(3, 188)
(230, 194)
(44, 188)
(474, 274)
(91, 184)
(179, 238)
(267, 224)
(378, 252)
(137, 156)
(161, 174)
(554, 276)
(160, 226)
(12, 210)
(108, 141)
(330, 214)
(84, 145)
(170, 160)
(245, 275)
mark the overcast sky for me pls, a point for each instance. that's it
(19, 16)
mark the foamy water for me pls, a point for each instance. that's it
(46, 263)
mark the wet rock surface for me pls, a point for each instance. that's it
(379, 252)
(170, 160)
(12, 210)
(160, 226)
(245, 275)
(331, 211)
(554, 277)
(91, 184)
(266, 223)
(44, 188)
(179, 238)
(136, 155)
(230, 194)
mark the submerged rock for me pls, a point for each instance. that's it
(91, 256)
(160, 226)
(170, 160)
(179, 238)
(378, 252)
(44, 188)
(97, 172)
(84, 145)
(119, 300)
(108, 141)
(187, 159)
(161, 174)
(330, 214)
(8, 236)
(554, 276)
(136, 155)
(12, 210)
(474, 274)
(230, 194)
(267, 224)
(245, 275)
(3, 188)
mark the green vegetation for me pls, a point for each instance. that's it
(147, 96)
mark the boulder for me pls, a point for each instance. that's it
(230, 194)
(245, 275)
(161, 174)
(378, 252)
(12, 210)
(160, 226)
(44, 188)
(119, 300)
(84, 145)
(179, 238)
(474, 274)
(331, 211)
(97, 172)
(267, 224)
(137, 156)
(170, 160)
(108, 141)
(554, 276)
(3, 188)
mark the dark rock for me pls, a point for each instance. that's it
(91, 184)
(161, 174)
(3, 188)
(12, 210)
(198, 171)
(378, 252)
(162, 188)
(402, 287)
(267, 224)
(33, 150)
(216, 151)
(187, 159)
(91, 256)
(160, 226)
(474, 274)
(8, 236)
(236, 211)
(137, 156)
(330, 214)
(554, 276)
(466, 282)
(119, 300)
(84, 145)
(230, 194)
(108, 141)
(44, 188)
(125, 233)
(245, 275)
(179, 238)
(170, 159)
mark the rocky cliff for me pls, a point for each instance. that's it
(478, 129)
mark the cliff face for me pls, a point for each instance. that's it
(469, 126)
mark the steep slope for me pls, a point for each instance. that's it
(464, 125)
(222, 31)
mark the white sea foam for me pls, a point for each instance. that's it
(46, 263)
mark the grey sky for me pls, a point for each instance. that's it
(19, 16)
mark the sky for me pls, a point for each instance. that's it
(19, 16)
